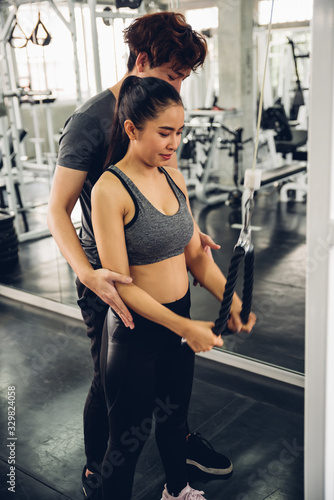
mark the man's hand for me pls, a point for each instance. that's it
(101, 282)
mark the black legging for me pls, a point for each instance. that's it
(147, 372)
(95, 418)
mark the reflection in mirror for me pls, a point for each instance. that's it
(46, 84)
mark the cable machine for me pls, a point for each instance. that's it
(244, 249)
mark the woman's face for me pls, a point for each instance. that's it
(160, 138)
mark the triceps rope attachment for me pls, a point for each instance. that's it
(243, 250)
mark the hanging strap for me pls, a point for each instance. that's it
(40, 35)
(17, 37)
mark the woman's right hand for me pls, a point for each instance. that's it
(200, 337)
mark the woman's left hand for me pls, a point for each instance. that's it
(234, 322)
(207, 244)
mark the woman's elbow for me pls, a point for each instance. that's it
(50, 217)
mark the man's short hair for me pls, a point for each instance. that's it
(165, 37)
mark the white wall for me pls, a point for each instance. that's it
(319, 357)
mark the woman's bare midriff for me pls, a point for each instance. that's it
(166, 281)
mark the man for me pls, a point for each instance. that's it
(161, 45)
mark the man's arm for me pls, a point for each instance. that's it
(66, 188)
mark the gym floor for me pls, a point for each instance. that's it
(254, 420)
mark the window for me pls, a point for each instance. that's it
(285, 11)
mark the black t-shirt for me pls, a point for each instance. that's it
(84, 146)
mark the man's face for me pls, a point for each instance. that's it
(167, 73)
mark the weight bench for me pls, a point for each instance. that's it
(288, 140)
(281, 173)
(278, 174)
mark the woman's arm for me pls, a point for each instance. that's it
(66, 187)
(208, 274)
(110, 204)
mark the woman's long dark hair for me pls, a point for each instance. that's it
(139, 100)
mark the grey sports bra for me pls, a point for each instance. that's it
(152, 236)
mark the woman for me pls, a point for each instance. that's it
(144, 207)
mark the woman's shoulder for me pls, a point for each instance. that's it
(175, 174)
(106, 180)
(109, 187)
(177, 177)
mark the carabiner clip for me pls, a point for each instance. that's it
(244, 240)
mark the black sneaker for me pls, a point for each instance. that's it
(91, 485)
(204, 462)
